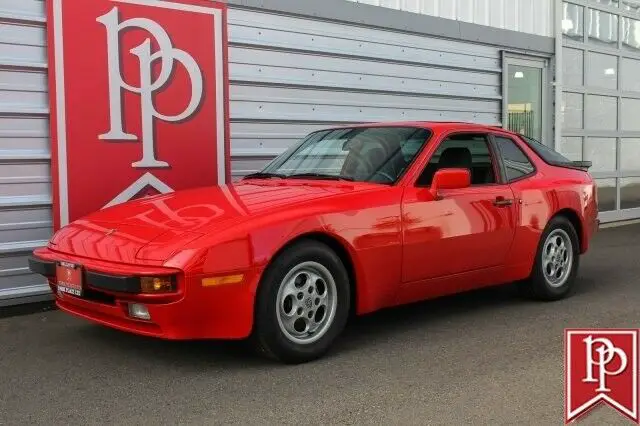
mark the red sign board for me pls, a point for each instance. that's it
(601, 366)
(139, 100)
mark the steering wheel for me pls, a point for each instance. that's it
(366, 160)
(379, 151)
(384, 174)
(360, 160)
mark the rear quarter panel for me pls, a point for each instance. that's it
(552, 191)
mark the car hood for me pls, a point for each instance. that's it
(154, 228)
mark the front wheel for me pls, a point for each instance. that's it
(302, 303)
(556, 263)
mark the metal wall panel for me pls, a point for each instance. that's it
(296, 73)
(600, 59)
(529, 16)
(289, 76)
(25, 176)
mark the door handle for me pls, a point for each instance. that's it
(502, 202)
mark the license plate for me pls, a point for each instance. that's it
(69, 277)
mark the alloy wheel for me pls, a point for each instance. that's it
(557, 257)
(306, 302)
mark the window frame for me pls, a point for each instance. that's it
(503, 168)
(531, 60)
(495, 163)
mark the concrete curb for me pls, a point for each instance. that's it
(619, 223)
(27, 309)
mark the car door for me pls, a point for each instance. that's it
(517, 169)
(468, 228)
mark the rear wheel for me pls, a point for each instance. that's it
(302, 303)
(557, 261)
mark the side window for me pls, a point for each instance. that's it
(470, 151)
(516, 163)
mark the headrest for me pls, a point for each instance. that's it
(456, 157)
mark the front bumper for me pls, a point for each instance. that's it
(194, 312)
(119, 283)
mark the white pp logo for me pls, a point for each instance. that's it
(607, 353)
(168, 55)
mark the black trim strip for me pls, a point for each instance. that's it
(42, 267)
(122, 284)
(99, 281)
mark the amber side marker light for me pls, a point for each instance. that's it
(155, 285)
(227, 279)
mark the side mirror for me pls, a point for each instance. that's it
(449, 179)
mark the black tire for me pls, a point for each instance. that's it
(268, 337)
(538, 286)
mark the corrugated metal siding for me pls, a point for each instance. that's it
(289, 76)
(292, 75)
(528, 16)
(25, 178)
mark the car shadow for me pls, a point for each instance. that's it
(193, 352)
(386, 323)
(597, 274)
(361, 332)
(383, 325)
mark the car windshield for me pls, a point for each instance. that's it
(365, 154)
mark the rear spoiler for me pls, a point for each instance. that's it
(586, 165)
(582, 164)
(578, 165)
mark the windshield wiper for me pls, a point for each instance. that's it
(267, 175)
(264, 175)
(320, 176)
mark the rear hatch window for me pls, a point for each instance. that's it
(552, 157)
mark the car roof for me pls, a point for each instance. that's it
(435, 125)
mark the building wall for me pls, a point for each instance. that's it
(284, 84)
(601, 98)
(289, 75)
(529, 16)
(25, 192)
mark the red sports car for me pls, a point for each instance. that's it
(350, 220)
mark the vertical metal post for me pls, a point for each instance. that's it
(557, 124)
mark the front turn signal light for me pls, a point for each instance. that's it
(227, 279)
(154, 285)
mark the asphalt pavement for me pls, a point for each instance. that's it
(482, 358)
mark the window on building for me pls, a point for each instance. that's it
(524, 100)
